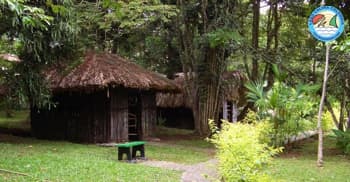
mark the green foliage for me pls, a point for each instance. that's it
(344, 45)
(41, 33)
(327, 121)
(25, 15)
(343, 140)
(256, 94)
(128, 16)
(264, 127)
(290, 110)
(242, 156)
(138, 30)
(266, 131)
(222, 37)
(250, 118)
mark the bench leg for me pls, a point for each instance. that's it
(140, 148)
(134, 150)
(128, 155)
(120, 154)
(143, 151)
(122, 151)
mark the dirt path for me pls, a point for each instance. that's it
(201, 172)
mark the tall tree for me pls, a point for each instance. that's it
(45, 31)
(255, 39)
(207, 33)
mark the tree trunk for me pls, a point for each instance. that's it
(255, 39)
(203, 63)
(196, 115)
(319, 118)
(209, 89)
(348, 122)
(342, 111)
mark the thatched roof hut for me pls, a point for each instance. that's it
(232, 90)
(101, 70)
(176, 109)
(105, 98)
(172, 100)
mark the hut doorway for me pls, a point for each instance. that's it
(134, 117)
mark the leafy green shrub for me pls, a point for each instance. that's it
(343, 140)
(327, 121)
(241, 154)
(290, 110)
(264, 127)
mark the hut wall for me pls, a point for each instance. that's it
(77, 117)
(101, 116)
(118, 115)
(149, 113)
(86, 115)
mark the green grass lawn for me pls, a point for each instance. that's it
(65, 161)
(44, 160)
(299, 165)
(180, 153)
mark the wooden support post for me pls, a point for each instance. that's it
(224, 109)
(234, 112)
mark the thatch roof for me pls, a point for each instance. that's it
(174, 99)
(101, 70)
(233, 90)
(233, 86)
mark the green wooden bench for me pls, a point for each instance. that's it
(130, 149)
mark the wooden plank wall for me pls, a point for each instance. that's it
(118, 115)
(98, 124)
(149, 113)
(78, 117)
(93, 117)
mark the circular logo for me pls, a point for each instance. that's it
(326, 23)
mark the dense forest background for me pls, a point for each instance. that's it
(267, 41)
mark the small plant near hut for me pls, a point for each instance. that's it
(241, 152)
